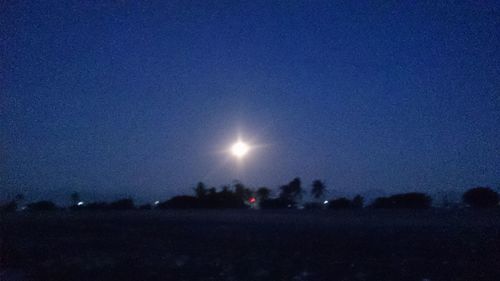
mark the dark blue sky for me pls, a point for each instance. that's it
(129, 98)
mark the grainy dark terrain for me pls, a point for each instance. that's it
(252, 245)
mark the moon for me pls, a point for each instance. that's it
(240, 149)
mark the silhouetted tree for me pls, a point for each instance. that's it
(228, 199)
(263, 193)
(318, 189)
(358, 201)
(241, 191)
(212, 191)
(210, 201)
(200, 190)
(481, 197)
(75, 198)
(412, 200)
(292, 192)
(42, 206)
(226, 193)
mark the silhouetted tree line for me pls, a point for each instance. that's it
(288, 197)
(240, 197)
(481, 197)
(210, 198)
(42, 206)
(121, 204)
(413, 200)
(343, 203)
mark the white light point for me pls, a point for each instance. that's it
(240, 149)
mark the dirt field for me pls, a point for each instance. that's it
(252, 245)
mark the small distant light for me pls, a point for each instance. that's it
(80, 203)
(325, 202)
(252, 200)
(157, 202)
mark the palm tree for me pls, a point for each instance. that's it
(318, 189)
(200, 190)
(292, 192)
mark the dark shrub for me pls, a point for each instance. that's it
(181, 202)
(42, 206)
(340, 203)
(382, 203)
(122, 204)
(313, 206)
(413, 200)
(145, 207)
(263, 193)
(481, 197)
(94, 206)
(77, 208)
(225, 199)
(358, 202)
(9, 207)
(211, 200)
(278, 203)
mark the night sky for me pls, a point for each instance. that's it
(140, 99)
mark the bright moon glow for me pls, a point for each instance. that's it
(240, 149)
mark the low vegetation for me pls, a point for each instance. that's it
(290, 196)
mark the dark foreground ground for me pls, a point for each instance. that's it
(251, 245)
